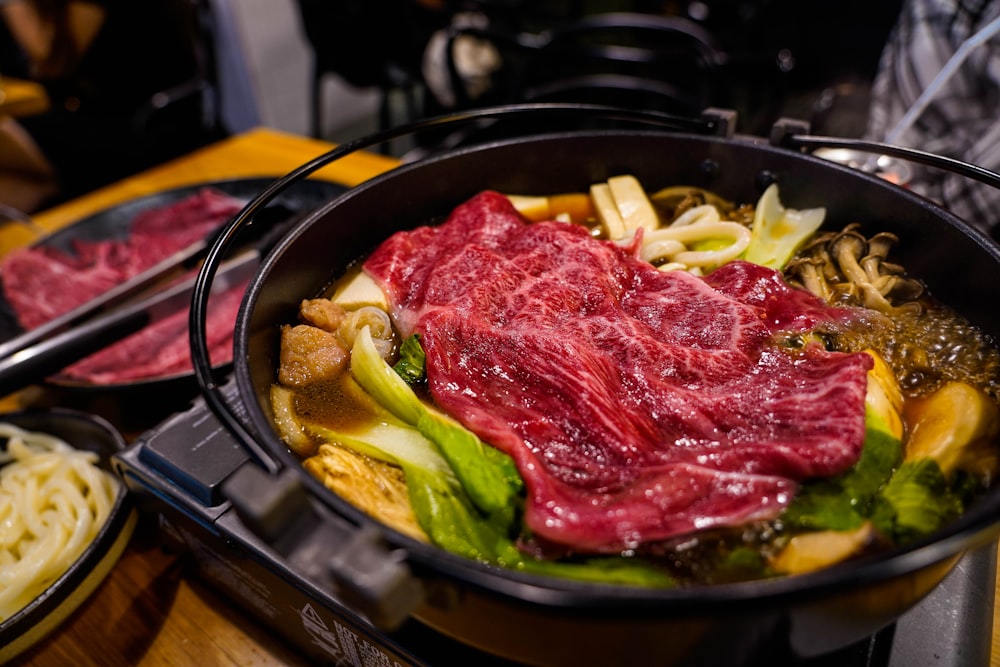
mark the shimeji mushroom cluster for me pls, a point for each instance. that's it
(847, 267)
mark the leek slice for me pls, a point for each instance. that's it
(391, 443)
(487, 475)
(777, 232)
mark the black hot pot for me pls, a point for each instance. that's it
(545, 621)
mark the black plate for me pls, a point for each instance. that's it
(115, 222)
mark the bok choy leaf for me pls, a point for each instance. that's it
(905, 500)
(487, 475)
(410, 366)
(452, 522)
(465, 494)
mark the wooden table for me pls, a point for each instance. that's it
(149, 611)
(21, 98)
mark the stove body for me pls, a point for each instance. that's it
(176, 471)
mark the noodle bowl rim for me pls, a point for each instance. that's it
(35, 620)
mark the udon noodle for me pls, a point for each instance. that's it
(54, 499)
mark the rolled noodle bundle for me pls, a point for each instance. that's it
(669, 247)
(54, 499)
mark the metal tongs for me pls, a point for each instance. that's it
(129, 307)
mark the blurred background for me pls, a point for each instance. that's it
(159, 78)
(763, 58)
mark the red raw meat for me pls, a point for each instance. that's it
(162, 349)
(41, 283)
(639, 405)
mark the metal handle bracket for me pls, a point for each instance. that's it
(366, 575)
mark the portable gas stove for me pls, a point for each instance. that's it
(176, 472)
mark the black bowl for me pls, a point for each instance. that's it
(547, 621)
(40, 617)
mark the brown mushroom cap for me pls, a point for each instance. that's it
(846, 266)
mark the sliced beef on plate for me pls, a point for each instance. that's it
(42, 282)
(165, 229)
(161, 349)
(639, 405)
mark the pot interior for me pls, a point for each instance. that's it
(952, 258)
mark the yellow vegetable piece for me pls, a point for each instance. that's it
(813, 551)
(777, 232)
(534, 208)
(957, 426)
(359, 291)
(607, 211)
(634, 206)
(376, 488)
(287, 421)
(884, 397)
(576, 205)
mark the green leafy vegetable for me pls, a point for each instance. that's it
(466, 495)
(921, 500)
(742, 563)
(488, 475)
(839, 503)
(440, 504)
(397, 444)
(881, 454)
(450, 519)
(485, 477)
(411, 365)
(904, 500)
(822, 506)
(777, 232)
(611, 570)
(384, 385)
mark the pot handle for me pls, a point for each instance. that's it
(795, 135)
(718, 122)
